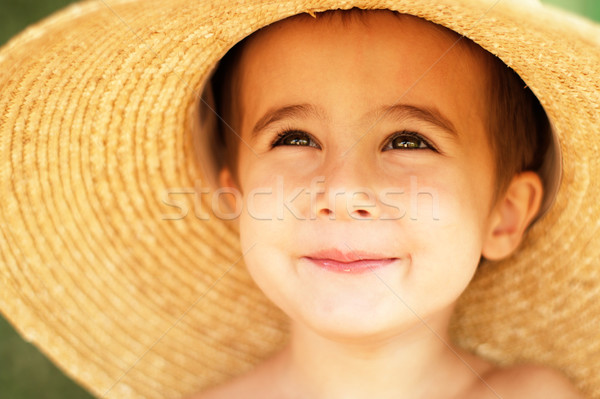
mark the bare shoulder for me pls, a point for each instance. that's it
(225, 391)
(246, 386)
(528, 381)
(259, 383)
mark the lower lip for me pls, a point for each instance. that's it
(357, 267)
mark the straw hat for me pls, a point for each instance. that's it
(97, 154)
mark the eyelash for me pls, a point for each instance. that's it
(285, 132)
(410, 135)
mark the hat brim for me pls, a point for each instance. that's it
(97, 158)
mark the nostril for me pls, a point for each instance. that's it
(362, 213)
(325, 212)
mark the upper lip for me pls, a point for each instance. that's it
(346, 256)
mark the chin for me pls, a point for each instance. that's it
(369, 325)
(359, 323)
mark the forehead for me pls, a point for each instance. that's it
(348, 65)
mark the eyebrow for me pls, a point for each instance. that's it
(397, 112)
(427, 114)
(288, 111)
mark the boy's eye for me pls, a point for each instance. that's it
(407, 141)
(294, 138)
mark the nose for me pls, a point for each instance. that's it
(345, 204)
(346, 192)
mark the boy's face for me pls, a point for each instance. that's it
(430, 208)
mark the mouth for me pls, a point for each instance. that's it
(351, 262)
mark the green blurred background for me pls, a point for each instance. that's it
(24, 371)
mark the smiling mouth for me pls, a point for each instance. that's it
(354, 262)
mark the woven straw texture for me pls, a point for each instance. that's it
(95, 127)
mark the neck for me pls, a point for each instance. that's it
(411, 364)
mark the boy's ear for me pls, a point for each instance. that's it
(226, 179)
(512, 214)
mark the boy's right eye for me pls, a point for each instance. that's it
(294, 138)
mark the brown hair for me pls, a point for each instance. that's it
(519, 131)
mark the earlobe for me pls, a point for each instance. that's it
(512, 215)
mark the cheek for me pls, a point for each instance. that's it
(265, 218)
(446, 249)
(459, 195)
(265, 244)
(451, 218)
(272, 192)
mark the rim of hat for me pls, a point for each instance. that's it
(100, 270)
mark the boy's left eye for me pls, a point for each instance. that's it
(296, 138)
(407, 141)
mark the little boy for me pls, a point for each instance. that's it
(419, 152)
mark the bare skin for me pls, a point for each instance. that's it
(470, 377)
(352, 337)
